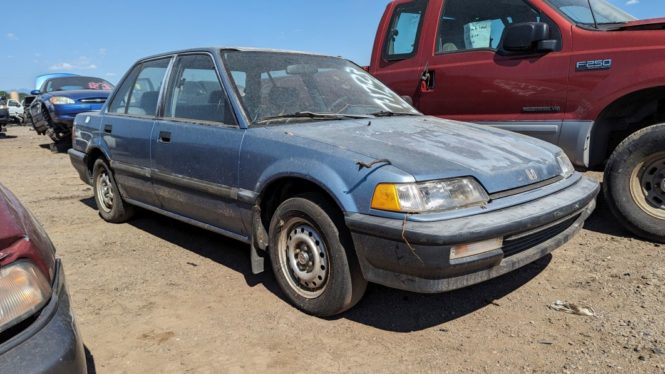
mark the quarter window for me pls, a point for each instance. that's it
(196, 93)
(403, 34)
(472, 24)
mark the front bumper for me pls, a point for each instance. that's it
(415, 256)
(51, 343)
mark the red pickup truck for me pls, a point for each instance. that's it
(580, 74)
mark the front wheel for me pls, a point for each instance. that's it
(112, 208)
(634, 185)
(313, 258)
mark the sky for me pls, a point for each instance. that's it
(104, 39)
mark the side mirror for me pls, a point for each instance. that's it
(527, 37)
(408, 99)
(35, 92)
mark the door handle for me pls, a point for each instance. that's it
(108, 129)
(164, 137)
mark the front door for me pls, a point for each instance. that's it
(127, 128)
(195, 147)
(470, 81)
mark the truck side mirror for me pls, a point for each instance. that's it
(527, 37)
(35, 92)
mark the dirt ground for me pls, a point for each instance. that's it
(157, 295)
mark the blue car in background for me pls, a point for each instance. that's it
(60, 99)
(326, 171)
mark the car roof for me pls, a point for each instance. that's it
(214, 50)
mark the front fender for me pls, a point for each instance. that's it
(313, 171)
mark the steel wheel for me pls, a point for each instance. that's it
(303, 257)
(647, 185)
(104, 191)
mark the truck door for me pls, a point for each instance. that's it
(470, 81)
(398, 53)
(195, 147)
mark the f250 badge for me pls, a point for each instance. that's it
(594, 65)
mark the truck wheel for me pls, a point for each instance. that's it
(107, 196)
(313, 258)
(634, 184)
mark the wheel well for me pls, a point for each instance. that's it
(93, 155)
(623, 117)
(282, 189)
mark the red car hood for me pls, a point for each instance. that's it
(645, 24)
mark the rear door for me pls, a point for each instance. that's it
(195, 147)
(127, 127)
(471, 82)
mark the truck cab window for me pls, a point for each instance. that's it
(471, 24)
(404, 31)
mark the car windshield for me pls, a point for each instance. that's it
(76, 83)
(592, 12)
(279, 87)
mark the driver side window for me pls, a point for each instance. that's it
(472, 24)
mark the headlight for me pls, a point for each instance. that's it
(567, 168)
(429, 196)
(23, 291)
(55, 100)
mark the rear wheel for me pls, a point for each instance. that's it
(313, 258)
(111, 206)
(634, 184)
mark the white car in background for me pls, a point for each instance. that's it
(15, 111)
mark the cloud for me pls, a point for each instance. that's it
(632, 2)
(11, 36)
(82, 63)
(68, 66)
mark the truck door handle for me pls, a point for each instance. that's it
(108, 129)
(164, 137)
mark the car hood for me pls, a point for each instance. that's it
(429, 148)
(646, 24)
(81, 94)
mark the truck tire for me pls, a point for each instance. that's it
(634, 185)
(313, 258)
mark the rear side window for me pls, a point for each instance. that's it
(472, 24)
(138, 94)
(195, 92)
(404, 31)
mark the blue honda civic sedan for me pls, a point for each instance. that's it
(320, 167)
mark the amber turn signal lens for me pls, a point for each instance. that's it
(385, 198)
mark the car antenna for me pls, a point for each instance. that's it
(593, 15)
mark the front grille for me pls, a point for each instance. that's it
(99, 100)
(512, 247)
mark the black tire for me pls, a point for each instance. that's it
(44, 124)
(634, 184)
(112, 208)
(341, 284)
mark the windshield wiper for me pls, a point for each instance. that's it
(312, 115)
(387, 113)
